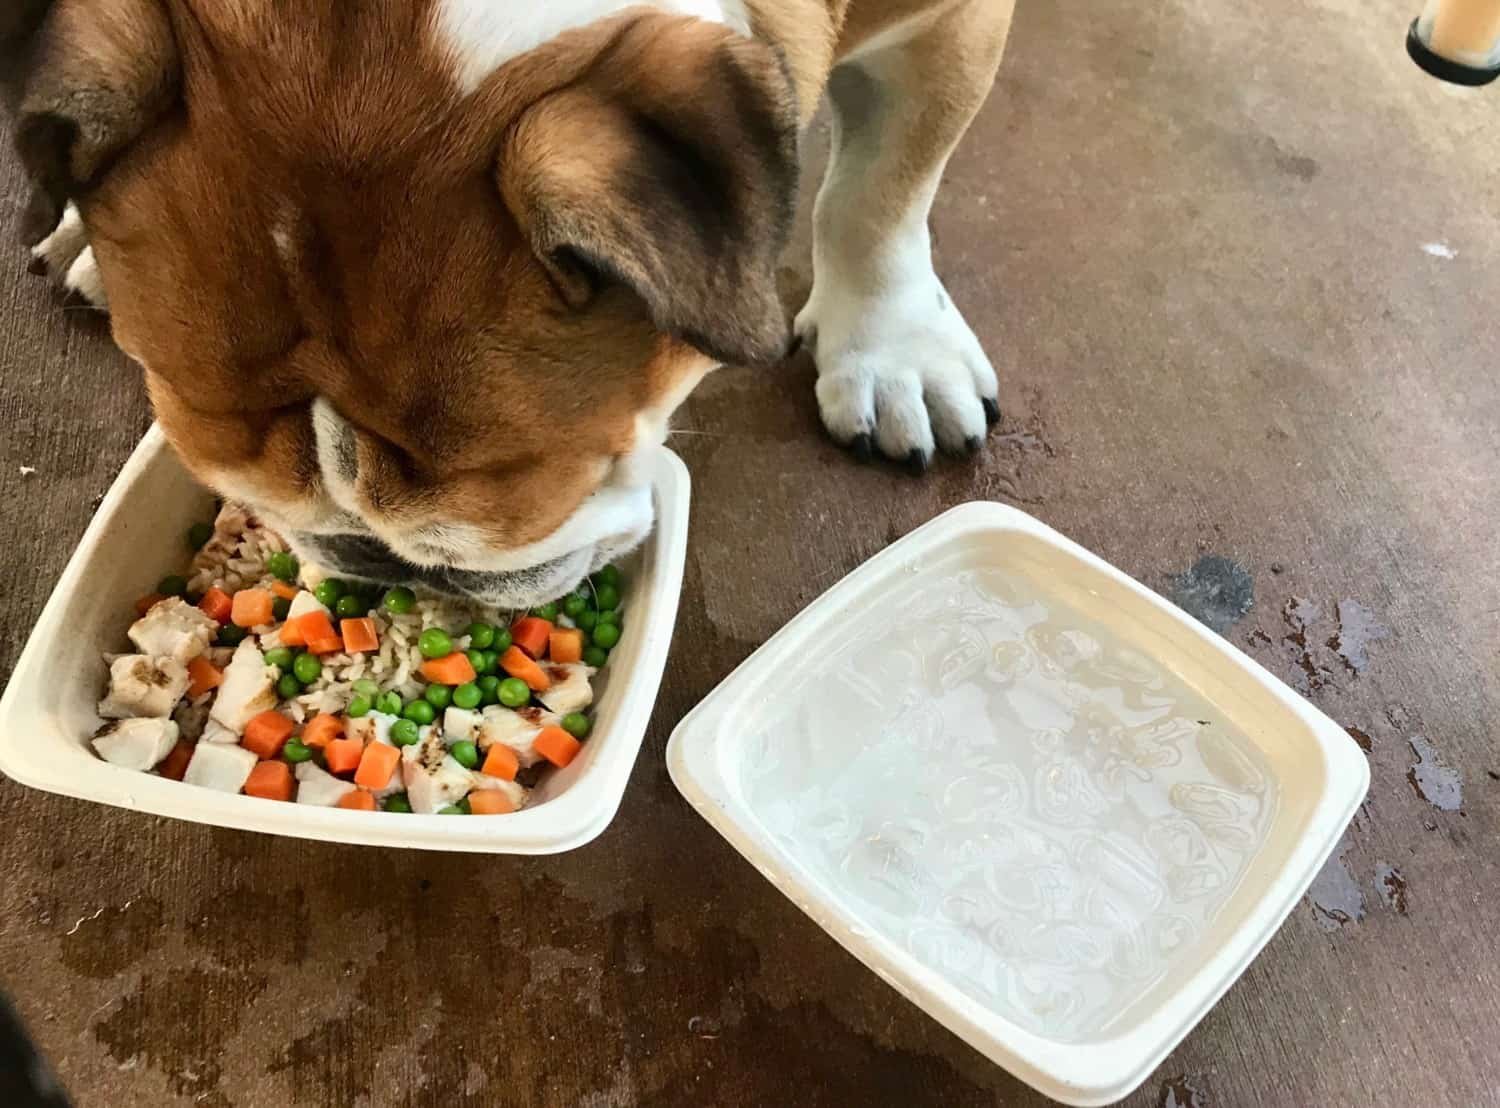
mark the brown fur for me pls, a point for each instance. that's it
(490, 288)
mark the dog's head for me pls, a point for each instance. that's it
(426, 322)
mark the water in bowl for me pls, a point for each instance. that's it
(1030, 807)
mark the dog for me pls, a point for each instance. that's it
(422, 281)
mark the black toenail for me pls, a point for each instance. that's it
(991, 410)
(37, 266)
(862, 447)
(973, 444)
(793, 346)
(916, 463)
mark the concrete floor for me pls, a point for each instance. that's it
(1236, 264)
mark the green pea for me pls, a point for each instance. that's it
(281, 607)
(452, 810)
(329, 592)
(434, 643)
(231, 635)
(611, 616)
(467, 696)
(609, 575)
(595, 656)
(400, 600)
(607, 635)
(547, 611)
(396, 802)
(172, 585)
(419, 712)
(502, 641)
(307, 668)
(489, 689)
(389, 703)
(515, 693)
(481, 636)
(587, 619)
(439, 696)
(366, 687)
(574, 606)
(606, 597)
(282, 566)
(404, 732)
(350, 606)
(465, 753)
(296, 751)
(199, 534)
(288, 686)
(359, 705)
(477, 658)
(280, 657)
(576, 724)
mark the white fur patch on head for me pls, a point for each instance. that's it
(482, 35)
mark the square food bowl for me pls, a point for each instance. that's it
(1041, 802)
(47, 714)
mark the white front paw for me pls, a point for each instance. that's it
(900, 371)
(67, 258)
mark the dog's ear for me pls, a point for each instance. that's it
(669, 167)
(86, 78)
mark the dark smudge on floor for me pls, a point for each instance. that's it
(1215, 590)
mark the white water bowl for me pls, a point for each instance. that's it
(47, 713)
(1044, 804)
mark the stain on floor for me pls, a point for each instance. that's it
(1179, 1092)
(1215, 590)
(1336, 897)
(1432, 778)
(1358, 629)
(1391, 887)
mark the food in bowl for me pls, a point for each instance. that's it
(253, 674)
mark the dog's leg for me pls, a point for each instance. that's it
(898, 367)
(67, 258)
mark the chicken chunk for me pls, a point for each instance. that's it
(570, 691)
(373, 727)
(216, 732)
(515, 729)
(145, 686)
(220, 766)
(460, 724)
(136, 743)
(173, 628)
(249, 688)
(305, 602)
(434, 778)
(317, 786)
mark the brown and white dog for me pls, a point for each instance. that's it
(422, 280)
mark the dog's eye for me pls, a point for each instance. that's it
(578, 278)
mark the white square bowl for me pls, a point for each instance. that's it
(886, 912)
(47, 713)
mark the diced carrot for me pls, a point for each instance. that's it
(556, 745)
(216, 605)
(501, 761)
(376, 766)
(290, 634)
(490, 802)
(266, 733)
(271, 781)
(322, 729)
(283, 590)
(359, 634)
(251, 608)
(147, 602)
(343, 755)
(315, 625)
(205, 676)
(451, 669)
(175, 764)
(325, 646)
(530, 633)
(357, 799)
(565, 646)
(515, 662)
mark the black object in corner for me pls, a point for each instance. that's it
(1443, 69)
(25, 1079)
